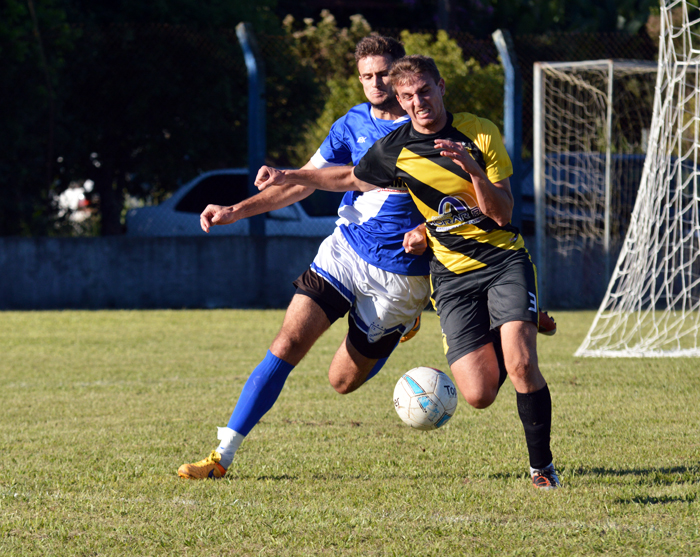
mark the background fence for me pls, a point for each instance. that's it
(140, 110)
(121, 116)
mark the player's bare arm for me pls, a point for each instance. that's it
(333, 178)
(263, 202)
(495, 199)
(415, 241)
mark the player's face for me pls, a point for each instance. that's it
(374, 76)
(421, 98)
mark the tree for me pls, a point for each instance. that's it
(137, 101)
(470, 87)
(481, 17)
(147, 102)
(537, 17)
(29, 61)
(329, 52)
(145, 106)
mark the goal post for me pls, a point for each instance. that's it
(590, 120)
(652, 304)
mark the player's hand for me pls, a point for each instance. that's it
(216, 214)
(415, 242)
(459, 153)
(268, 176)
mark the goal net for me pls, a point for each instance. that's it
(591, 124)
(651, 307)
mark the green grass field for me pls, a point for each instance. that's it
(100, 408)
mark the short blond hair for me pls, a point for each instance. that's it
(404, 70)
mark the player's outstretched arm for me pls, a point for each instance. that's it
(333, 178)
(263, 202)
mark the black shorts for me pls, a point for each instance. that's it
(335, 305)
(471, 305)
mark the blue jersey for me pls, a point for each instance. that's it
(373, 222)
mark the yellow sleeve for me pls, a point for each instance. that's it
(498, 165)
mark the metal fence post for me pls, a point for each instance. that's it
(512, 116)
(538, 159)
(256, 114)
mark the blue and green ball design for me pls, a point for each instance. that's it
(425, 398)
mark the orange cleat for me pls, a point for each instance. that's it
(545, 478)
(547, 325)
(204, 469)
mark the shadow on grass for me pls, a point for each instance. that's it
(275, 478)
(648, 476)
(664, 476)
(663, 500)
(497, 476)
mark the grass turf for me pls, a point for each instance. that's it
(100, 408)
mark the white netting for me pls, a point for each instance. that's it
(651, 307)
(594, 120)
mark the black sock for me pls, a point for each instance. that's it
(535, 411)
(498, 347)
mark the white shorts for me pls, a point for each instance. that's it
(381, 303)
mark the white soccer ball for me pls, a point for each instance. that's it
(425, 398)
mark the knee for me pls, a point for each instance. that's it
(288, 347)
(482, 399)
(522, 370)
(345, 377)
(342, 384)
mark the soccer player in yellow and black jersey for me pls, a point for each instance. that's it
(457, 171)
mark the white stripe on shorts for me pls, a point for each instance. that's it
(382, 301)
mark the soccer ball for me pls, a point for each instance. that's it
(425, 398)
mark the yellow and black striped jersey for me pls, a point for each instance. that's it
(461, 237)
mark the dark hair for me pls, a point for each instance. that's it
(377, 45)
(405, 69)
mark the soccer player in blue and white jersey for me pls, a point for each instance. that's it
(482, 278)
(361, 269)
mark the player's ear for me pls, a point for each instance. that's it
(441, 86)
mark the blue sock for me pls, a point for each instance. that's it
(259, 393)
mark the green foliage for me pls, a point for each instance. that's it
(195, 15)
(136, 102)
(329, 53)
(470, 87)
(149, 106)
(151, 102)
(601, 15)
(27, 95)
(99, 409)
(294, 95)
(537, 17)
